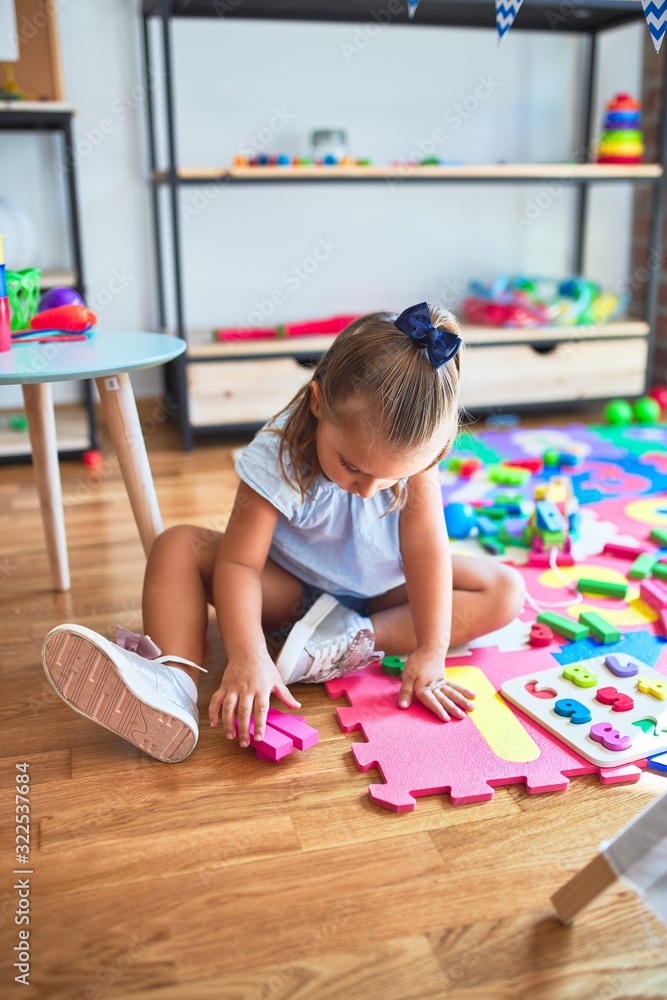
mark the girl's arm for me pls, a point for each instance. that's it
(250, 676)
(428, 575)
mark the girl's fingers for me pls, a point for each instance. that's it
(448, 704)
(405, 694)
(286, 696)
(214, 707)
(464, 691)
(244, 713)
(427, 697)
(260, 712)
(228, 707)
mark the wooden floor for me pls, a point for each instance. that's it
(225, 877)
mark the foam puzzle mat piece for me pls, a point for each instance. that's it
(417, 755)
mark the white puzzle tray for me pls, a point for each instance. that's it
(612, 709)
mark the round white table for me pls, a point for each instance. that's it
(107, 357)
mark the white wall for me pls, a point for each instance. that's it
(391, 244)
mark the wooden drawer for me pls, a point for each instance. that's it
(587, 369)
(241, 392)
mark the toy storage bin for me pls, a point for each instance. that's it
(241, 392)
(575, 369)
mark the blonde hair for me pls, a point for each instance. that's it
(401, 395)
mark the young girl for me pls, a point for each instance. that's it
(336, 540)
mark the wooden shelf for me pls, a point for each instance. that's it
(202, 347)
(57, 278)
(581, 16)
(517, 172)
(49, 107)
(72, 432)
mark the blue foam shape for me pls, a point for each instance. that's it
(658, 763)
(642, 644)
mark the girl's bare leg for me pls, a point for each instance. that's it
(178, 589)
(487, 595)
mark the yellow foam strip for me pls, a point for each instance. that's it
(494, 718)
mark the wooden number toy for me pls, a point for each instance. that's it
(656, 688)
(578, 701)
(574, 710)
(629, 669)
(619, 702)
(604, 733)
(580, 675)
(540, 635)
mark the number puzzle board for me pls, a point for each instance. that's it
(645, 724)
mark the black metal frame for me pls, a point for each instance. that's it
(60, 121)
(585, 18)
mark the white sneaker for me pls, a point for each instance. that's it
(329, 641)
(137, 697)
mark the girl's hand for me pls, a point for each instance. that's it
(244, 691)
(423, 677)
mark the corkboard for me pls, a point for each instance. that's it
(38, 71)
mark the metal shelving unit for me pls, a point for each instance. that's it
(583, 18)
(54, 118)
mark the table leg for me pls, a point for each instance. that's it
(120, 413)
(42, 429)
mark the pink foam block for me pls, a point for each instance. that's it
(653, 593)
(623, 551)
(416, 754)
(274, 746)
(544, 559)
(303, 736)
(662, 613)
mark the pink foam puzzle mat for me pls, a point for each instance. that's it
(621, 485)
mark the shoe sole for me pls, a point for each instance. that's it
(83, 672)
(304, 628)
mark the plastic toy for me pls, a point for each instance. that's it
(603, 588)
(281, 735)
(601, 629)
(632, 697)
(74, 317)
(646, 410)
(659, 394)
(622, 140)
(92, 458)
(660, 571)
(460, 519)
(522, 301)
(574, 631)
(659, 536)
(642, 566)
(61, 296)
(326, 327)
(618, 412)
(5, 319)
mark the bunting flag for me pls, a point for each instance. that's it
(506, 11)
(655, 12)
(412, 7)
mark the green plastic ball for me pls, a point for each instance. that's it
(647, 410)
(618, 412)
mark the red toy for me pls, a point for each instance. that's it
(307, 329)
(74, 318)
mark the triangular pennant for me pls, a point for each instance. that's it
(506, 11)
(412, 7)
(655, 12)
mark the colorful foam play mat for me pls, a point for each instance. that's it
(576, 685)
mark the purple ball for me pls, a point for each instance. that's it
(59, 297)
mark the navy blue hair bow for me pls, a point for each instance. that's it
(441, 345)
